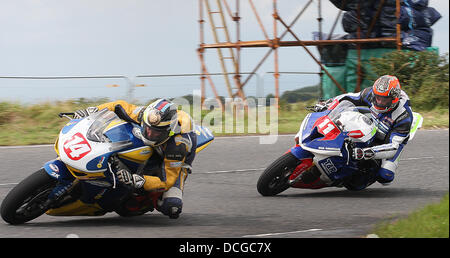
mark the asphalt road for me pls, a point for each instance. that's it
(221, 199)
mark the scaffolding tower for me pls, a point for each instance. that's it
(229, 51)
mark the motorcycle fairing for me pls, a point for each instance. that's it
(416, 124)
(319, 138)
(300, 153)
(77, 208)
(97, 198)
(330, 147)
(70, 125)
(101, 134)
(119, 131)
(204, 137)
(137, 155)
(336, 168)
(312, 140)
(57, 169)
(308, 124)
(319, 134)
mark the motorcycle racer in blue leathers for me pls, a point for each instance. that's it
(391, 111)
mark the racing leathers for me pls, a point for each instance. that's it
(393, 129)
(167, 168)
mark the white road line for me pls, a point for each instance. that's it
(424, 158)
(230, 171)
(259, 169)
(26, 146)
(284, 233)
(251, 136)
(8, 184)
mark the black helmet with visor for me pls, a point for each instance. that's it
(159, 122)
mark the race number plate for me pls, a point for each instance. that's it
(76, 147)
(326, 127)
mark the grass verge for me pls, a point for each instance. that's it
(428, 222)
(39, 123)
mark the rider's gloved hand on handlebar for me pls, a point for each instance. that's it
(127, 178)
(322, 105)
(319, 107)
(359, 153)
(81, 113)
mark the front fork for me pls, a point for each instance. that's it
(60, 198)
(58, 170)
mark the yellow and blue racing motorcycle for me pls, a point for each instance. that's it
(88, 150)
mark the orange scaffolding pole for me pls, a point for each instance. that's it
(276, 42)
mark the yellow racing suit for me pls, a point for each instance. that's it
(167, 168)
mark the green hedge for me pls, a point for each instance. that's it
(423, 76)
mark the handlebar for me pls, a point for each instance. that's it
(66, 115)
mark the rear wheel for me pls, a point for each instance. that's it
(274, 179)
(25, 202)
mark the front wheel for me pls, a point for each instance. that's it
(26, 200)
(274, 179)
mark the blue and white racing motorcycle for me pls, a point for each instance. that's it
(322, 154)
(87, 151)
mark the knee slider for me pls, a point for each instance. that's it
(385, 175)
(171, 207)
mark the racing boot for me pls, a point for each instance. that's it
(171, 203)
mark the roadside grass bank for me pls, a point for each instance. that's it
(429, 222)
(39, 123)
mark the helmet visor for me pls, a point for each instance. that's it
(154, 134)
(382, 102)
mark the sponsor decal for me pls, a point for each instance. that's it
(54, 168)
(100, 163)
(145, 152)
(328, 167)
(175, 164)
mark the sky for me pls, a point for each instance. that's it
(147, 37)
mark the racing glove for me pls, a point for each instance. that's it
(81, 113)
(324, 105)
(127, 178)
(320, 106)
(359, 153)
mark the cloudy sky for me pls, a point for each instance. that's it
(144, 37)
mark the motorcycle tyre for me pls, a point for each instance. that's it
(280, 169)
(30, 187)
